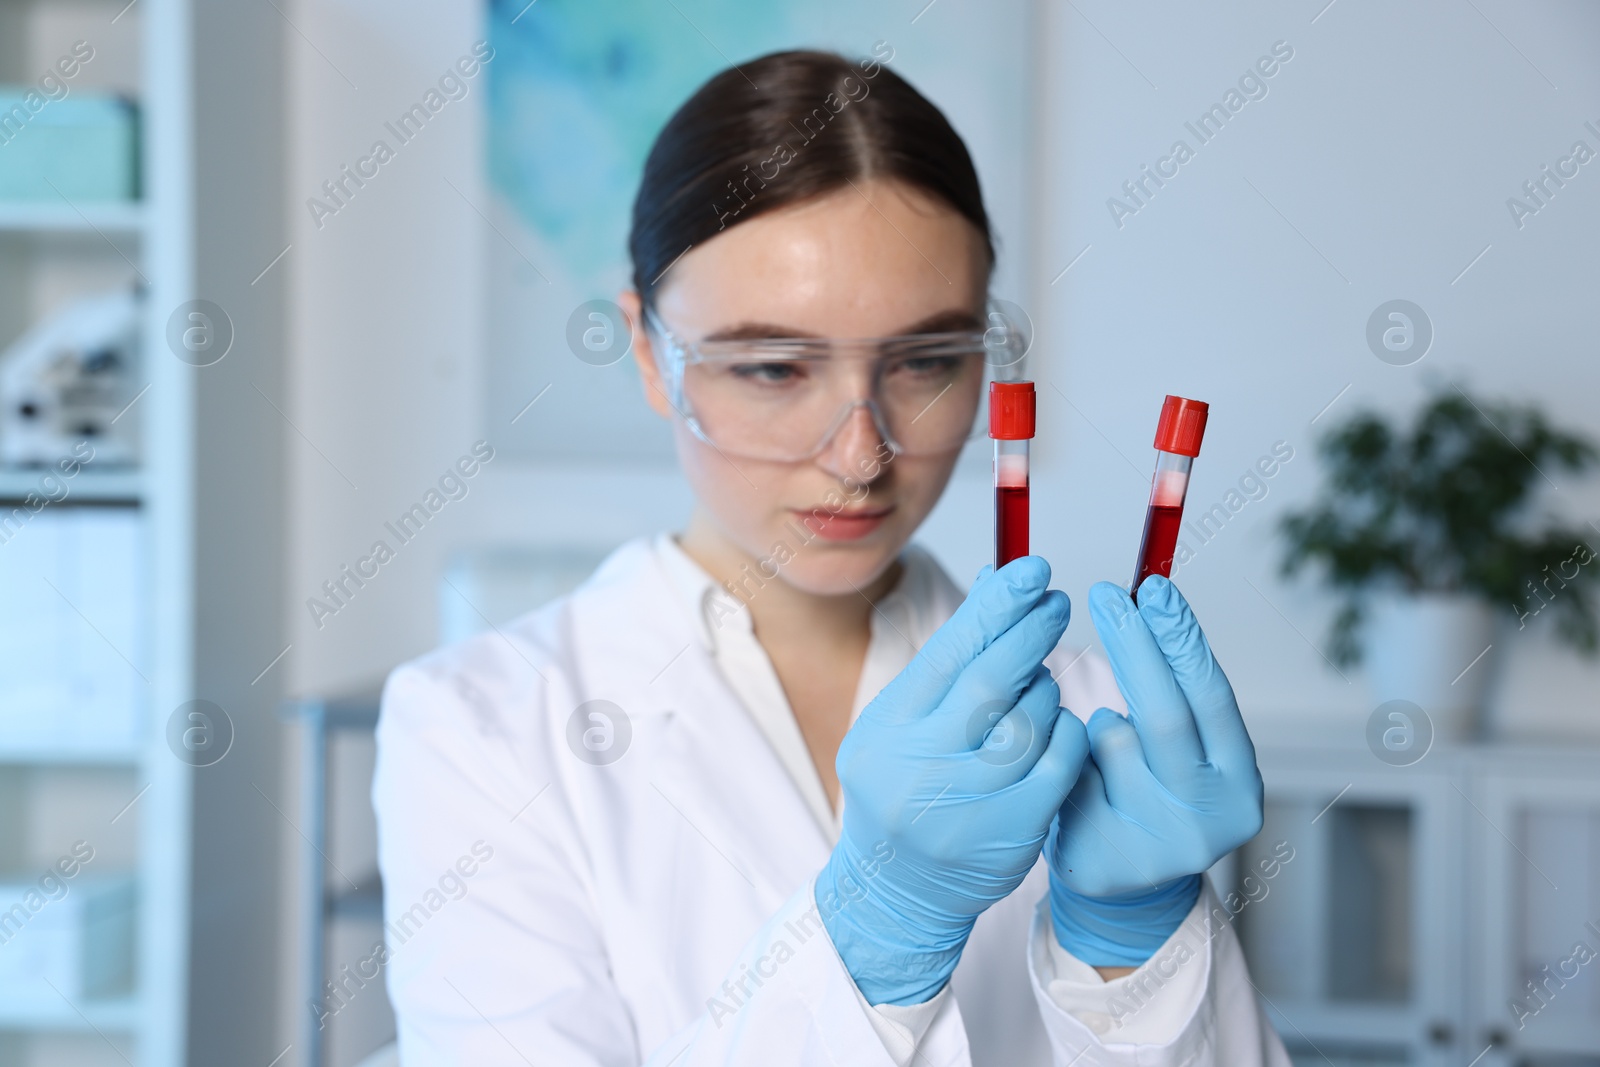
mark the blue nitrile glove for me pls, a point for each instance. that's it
(951, 778)
(1170, 790)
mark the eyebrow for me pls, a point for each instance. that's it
(951, 320)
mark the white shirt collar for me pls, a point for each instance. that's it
(902, 620)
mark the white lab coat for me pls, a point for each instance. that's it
(546, 908)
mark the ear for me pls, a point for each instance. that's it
(644, 355)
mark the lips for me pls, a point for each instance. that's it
(849, 525)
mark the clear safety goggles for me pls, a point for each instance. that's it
(785, 398)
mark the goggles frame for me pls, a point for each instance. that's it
(1004, 344)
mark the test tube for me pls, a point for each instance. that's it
(1178, 434)
(1011, 417)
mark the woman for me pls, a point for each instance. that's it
(770, 790)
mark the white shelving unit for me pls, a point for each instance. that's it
(53, 251)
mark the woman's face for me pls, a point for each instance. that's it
(877, 259)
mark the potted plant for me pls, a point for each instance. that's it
(1428, 533)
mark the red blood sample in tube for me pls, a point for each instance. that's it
(1010, 523)
(1160, 542)
(1011, 423)
(1178, 434)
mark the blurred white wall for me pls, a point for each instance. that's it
(386, 321)
(383, 355)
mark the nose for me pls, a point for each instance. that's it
(857, 451)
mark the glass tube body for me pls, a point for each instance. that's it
(1010, 501)
(1160, 541)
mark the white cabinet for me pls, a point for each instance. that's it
(1536, 857)
(1422, 900)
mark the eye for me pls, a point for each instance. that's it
(925, 366)
(774, 373)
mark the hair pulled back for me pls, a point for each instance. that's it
(784, 128)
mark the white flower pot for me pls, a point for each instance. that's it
(1435, 650)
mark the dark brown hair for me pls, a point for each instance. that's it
(784, 128)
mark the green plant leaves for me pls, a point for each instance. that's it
(1445, 506)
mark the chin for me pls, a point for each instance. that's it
(839, 570)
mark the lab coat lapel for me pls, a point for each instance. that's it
(701, 758)
(719, 769)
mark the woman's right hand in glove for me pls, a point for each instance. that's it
(950, 777)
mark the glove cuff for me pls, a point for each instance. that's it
(1123, 930)
(894, 954)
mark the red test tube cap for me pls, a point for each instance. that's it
(1182, 425)
(1011, 410)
